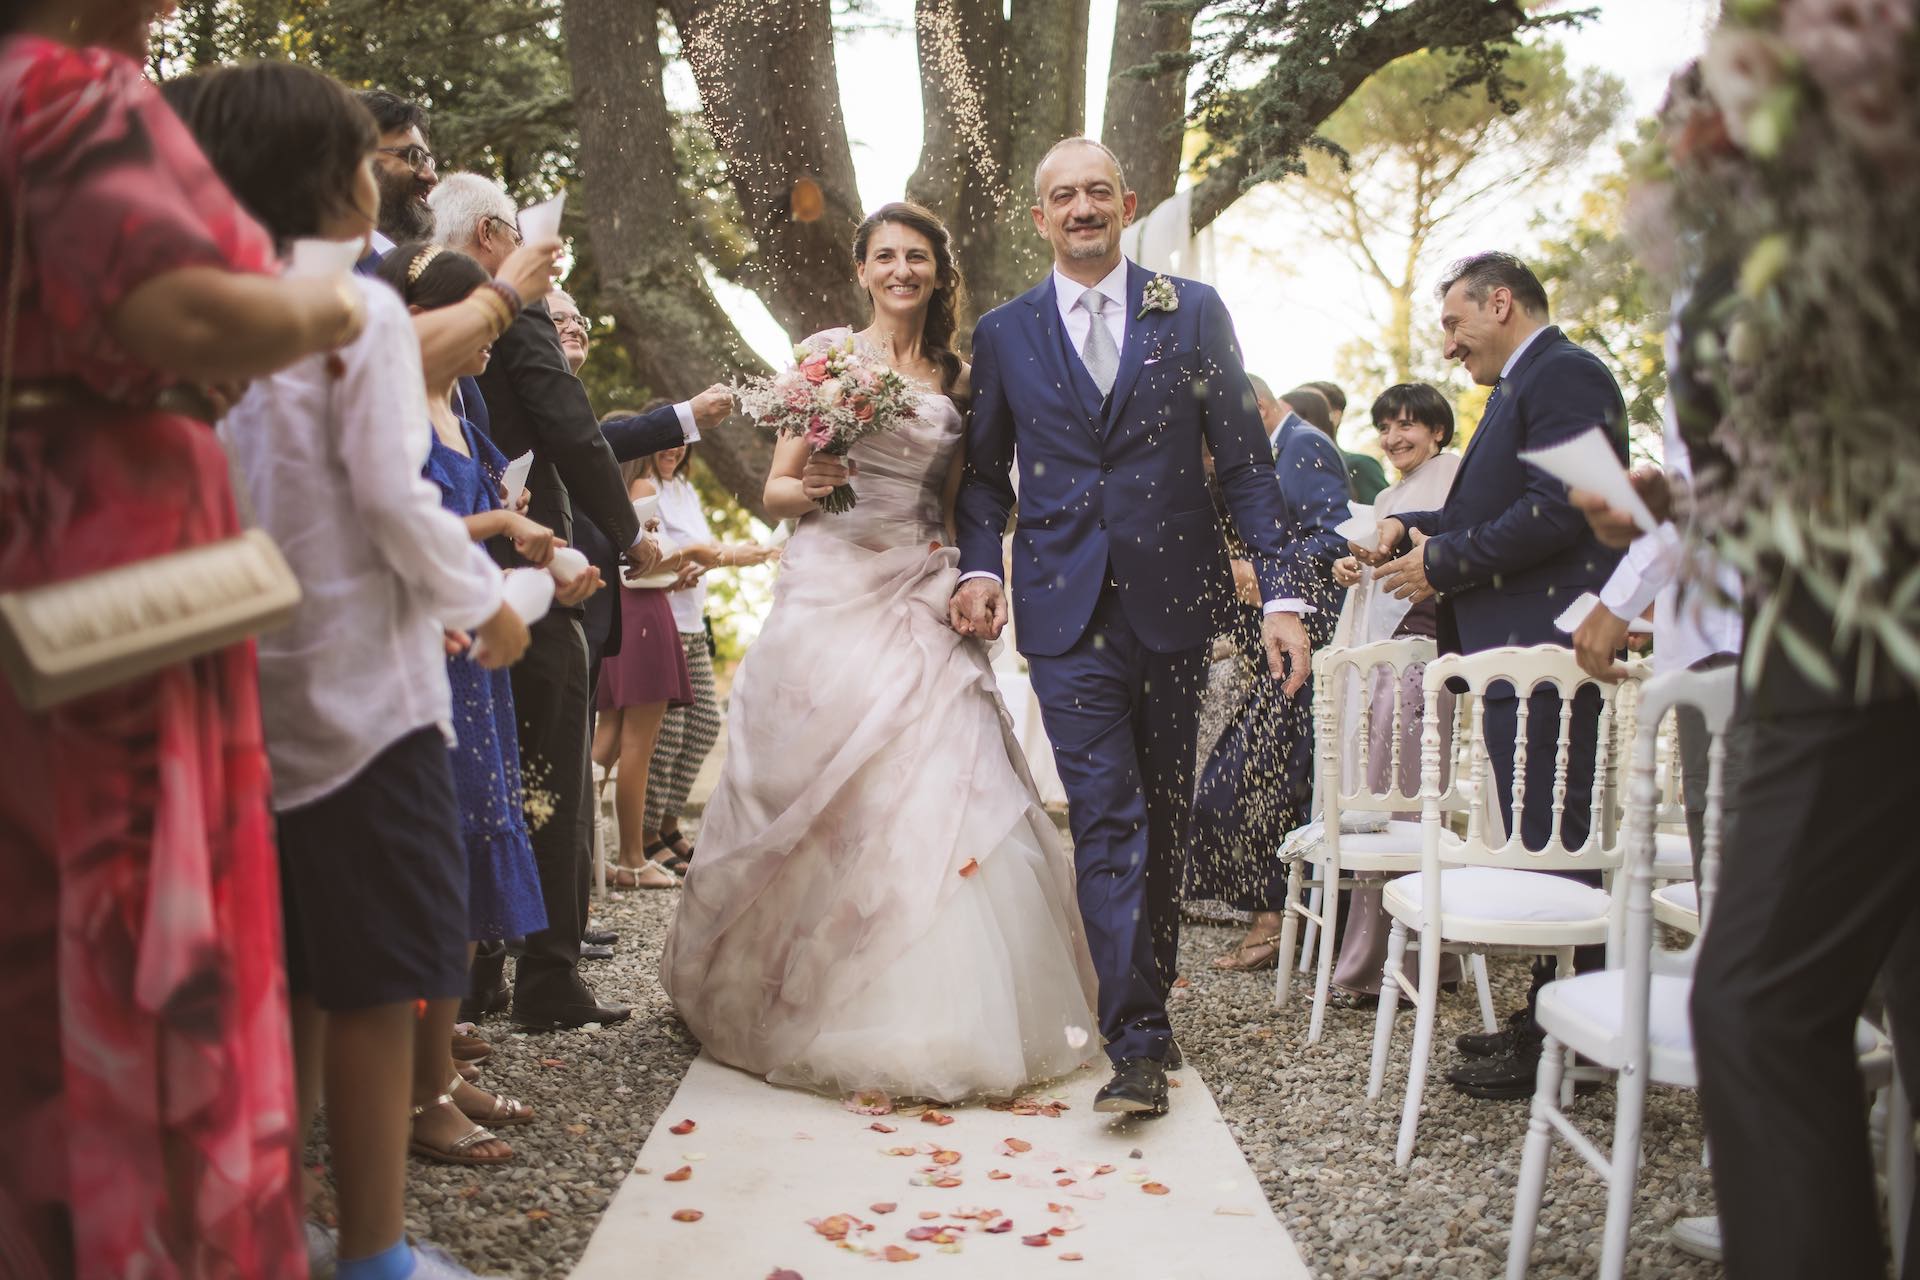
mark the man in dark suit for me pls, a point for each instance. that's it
(1105, 380)
(537, 404)
(1506, 555)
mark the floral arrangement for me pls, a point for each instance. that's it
(839, 391)
(1783, 191)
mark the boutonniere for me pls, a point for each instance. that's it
(1158, 296)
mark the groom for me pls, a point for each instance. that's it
(1108, 381)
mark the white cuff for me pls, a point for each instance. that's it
(1287, 604)
(688, 427)
(1651, 563)
(979, 573)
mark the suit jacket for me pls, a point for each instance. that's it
(537, 404)
(632, 436)
(1313, 492)
(1116, 487)
(1507, 552)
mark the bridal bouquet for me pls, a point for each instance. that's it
(838, 392)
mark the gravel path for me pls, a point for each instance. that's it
(1301, 1116)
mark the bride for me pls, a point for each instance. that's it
(879, 902)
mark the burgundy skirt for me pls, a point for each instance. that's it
(651, 665)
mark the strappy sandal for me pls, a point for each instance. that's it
(676, 864)
(621, 876)
(500, 1109)
(455, 1152)
(682, 847)
(468, 1072)
(1251, 956)
(468, 1048)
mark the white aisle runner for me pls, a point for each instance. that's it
(790, 1185)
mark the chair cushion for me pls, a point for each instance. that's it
(1496, 894)
(1672, 856)
(1588, 1013)
(1684, 896)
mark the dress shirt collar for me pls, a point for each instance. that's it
(1519, 351)
(1289, 420)
(381, 245)
(1113, 288)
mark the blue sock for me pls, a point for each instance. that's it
(395, 1263)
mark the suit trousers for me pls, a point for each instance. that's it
(1819, 892)
(1123, 721)
(551, 704)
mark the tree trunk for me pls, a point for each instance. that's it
(771, 96)
(638, 220)
(1146, 117)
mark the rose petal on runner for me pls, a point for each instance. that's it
(1155, 1188)
(936, 1117)
(928, 1215)
(969, 867)
(903, 1151)
(687, 1215)
(885, 1206)
(1040, 1241)
(877, 1127)
(1071, 1257)
(681, 1174)
(1014, 1145)
(998, 1175)
(682, 1129)
(894, 1253)
(946, 1156)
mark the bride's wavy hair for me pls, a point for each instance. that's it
(950, 292)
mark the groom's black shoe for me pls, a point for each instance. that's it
(1139, 1086)
(1174, 1059)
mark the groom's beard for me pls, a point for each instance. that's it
(1083, 249)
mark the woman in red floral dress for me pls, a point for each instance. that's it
(147, 1113)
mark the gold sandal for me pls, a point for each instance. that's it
(1242, 959)
(455, 1152)
(501, 1109)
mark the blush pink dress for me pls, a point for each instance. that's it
(880, 901)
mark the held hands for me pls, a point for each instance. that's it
(534, 542)
(1614, 527)
(825, 472)
(504, 638)
(644, 556)
(1284, 636)
(531, 268)
(712, 406)
(582, 586)
(1596, 642)
(1406, 578)
(978, 608)
(1387, 537)
(1346, 572)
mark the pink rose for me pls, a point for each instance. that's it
(862, 408)
(1846, 41)
(815, 370)
(819, 433)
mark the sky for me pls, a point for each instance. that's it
(1295, 300)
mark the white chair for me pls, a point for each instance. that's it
(1485, 892)
(603, 816)
(1632, 1021)
(1343, 756)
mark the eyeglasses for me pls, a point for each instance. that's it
(415, 157)
(578, 323)
(511, 230)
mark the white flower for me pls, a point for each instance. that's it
(1742, 68)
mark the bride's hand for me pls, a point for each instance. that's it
(825, 472)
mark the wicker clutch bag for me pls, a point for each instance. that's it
(68, 639)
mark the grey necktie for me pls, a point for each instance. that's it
(1101, 357)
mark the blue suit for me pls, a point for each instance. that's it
(1119, 568)
(1508, 554)
(1314, 485)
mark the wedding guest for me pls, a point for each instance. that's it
(330, 451)
(131, 275)
(536, 404)
(503, 890)
(1363, 470)
(1505, 554)
(403, 168)
(636, 687)
(687, 734)
(1258, 782)
(1415, 423)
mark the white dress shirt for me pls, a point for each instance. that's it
(331, 468)
(1519, 351)
(1689, 624)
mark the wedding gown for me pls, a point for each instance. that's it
(879, 901)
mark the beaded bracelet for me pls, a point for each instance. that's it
(508, 294)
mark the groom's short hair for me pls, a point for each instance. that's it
(1118, 171)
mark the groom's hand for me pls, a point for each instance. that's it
(1288, 650)
(978, 608)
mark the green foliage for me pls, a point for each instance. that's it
(1410, 160)
(1607, 301)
